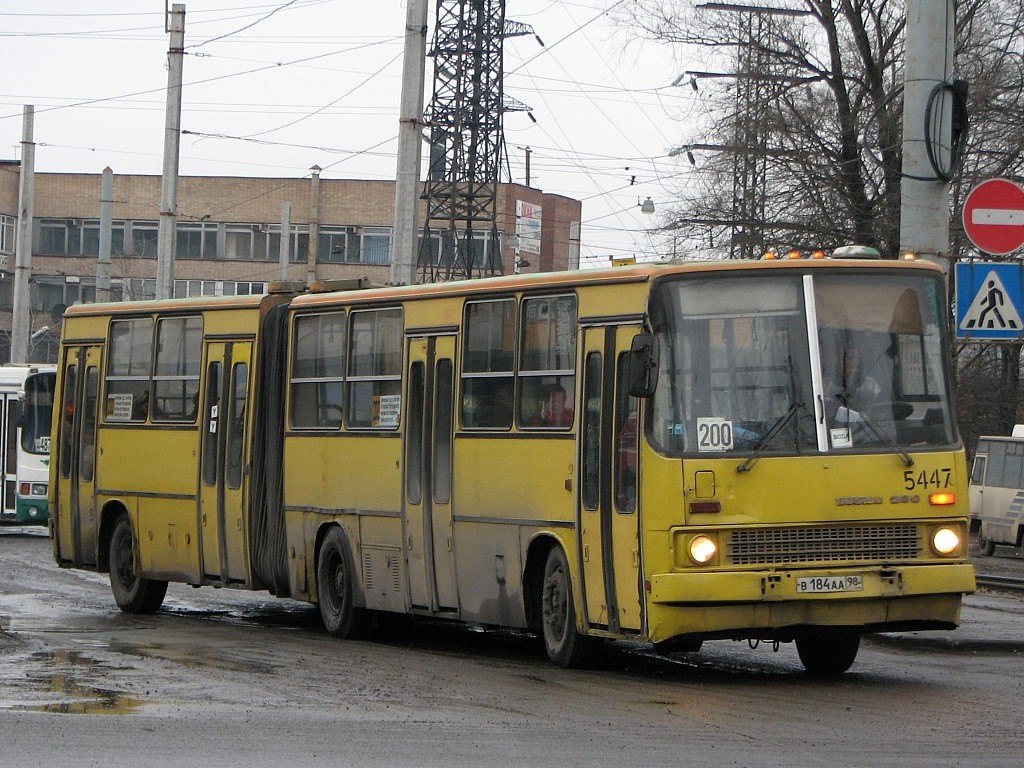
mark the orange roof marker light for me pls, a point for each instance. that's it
(794, 254)
(818, 254)
(910, 256)
(770, 256)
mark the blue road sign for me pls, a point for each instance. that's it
(989, 300)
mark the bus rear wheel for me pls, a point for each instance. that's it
(827, 652)
(335, 586)
(562, 640)
(133, 593)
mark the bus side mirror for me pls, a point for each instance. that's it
(643, 366)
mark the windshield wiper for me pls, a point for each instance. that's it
(762, 445)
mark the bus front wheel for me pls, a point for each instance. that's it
(827, 652)
(987, 547)
(562, 640)
(335, 586)
(133, 593)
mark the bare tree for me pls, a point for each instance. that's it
(828, 127)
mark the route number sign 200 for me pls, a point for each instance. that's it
(714, 434)
(924, 480)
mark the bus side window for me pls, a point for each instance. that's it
(626, 434)
(87, 444)
(67, 420)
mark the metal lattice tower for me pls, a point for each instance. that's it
(749, 191)
(467, 141)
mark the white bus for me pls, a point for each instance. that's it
(26, 407)
(997, 491)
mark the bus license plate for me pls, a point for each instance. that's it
(818, 584)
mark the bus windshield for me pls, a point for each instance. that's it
(38, 411)
(791, 364)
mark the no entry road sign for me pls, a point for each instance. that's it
(994, 216)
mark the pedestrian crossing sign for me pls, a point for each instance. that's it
(989, 301)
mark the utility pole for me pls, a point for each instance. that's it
(106, 224)
(924, 204)
(286, 241)
(21, 316)
(314, 223)
(410, 123)
(172, 137)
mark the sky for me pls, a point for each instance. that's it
(273, 87)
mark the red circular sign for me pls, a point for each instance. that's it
(994, 216)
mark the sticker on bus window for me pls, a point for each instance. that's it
(841, 437)
(714, 434)
(390, 407)
(119, 406)
(43, 444)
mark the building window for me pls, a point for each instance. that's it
(76, 237)
(191, 289)
(137, 289)
(144, 236)
(354, 245)
(298, 242)
(196, 240)
(8, 233)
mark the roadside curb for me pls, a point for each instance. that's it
(950, 645)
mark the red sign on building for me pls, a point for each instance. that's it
(994, 216)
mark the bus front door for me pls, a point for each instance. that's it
(608, 508)
(428, 473)
(222, 466)
(76, 523)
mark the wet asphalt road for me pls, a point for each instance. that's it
(226, 678)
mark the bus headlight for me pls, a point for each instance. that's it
(39, 489)
(703, 549)
(945, 541)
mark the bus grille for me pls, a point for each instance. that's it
(758, 546)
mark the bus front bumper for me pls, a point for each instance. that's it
(32, 510)
(731, 587)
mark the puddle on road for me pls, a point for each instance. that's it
(64, 673)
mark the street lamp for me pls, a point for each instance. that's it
(647, 206)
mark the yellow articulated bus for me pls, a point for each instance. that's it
(666, 453)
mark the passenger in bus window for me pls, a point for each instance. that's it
(556, 410)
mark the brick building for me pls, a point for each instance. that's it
(229, 237)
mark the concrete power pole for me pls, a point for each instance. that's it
(172, 137)
(410, 123)
(21, 316)
(286, 241)
(924, 207)
(106, 225)
(314, 224)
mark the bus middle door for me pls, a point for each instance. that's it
(428, 473)
(76, 523)
(222, 467)
(609, 448)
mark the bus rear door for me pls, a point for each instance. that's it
(222, 449)
(609, 527)
(428, 473)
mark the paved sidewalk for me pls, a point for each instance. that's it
(989, 621)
